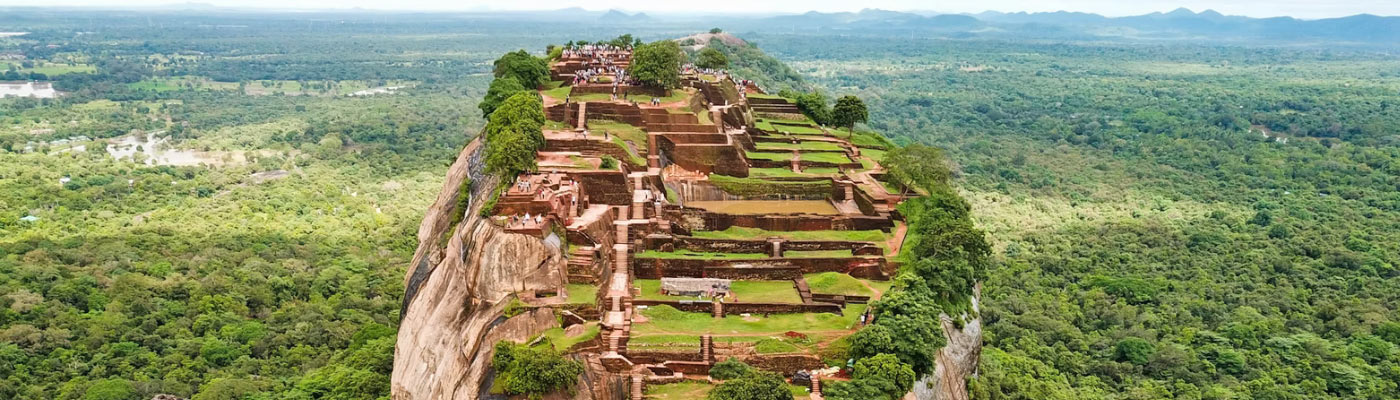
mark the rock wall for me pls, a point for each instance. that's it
(456, 294)
(956, 362)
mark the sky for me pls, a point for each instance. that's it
(1308, 9)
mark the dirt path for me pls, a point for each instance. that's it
(897, 240)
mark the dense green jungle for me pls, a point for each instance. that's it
(225, 205)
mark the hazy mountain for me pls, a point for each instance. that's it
(1179, 24)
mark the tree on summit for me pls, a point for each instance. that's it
(529, 70)
(658, 64)
(501, 89)
(711, 58)
(514, 134)
(848, 111)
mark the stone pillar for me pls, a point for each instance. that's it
(775, 246)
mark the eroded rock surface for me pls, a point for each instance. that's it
(956, 361)
(457, 293)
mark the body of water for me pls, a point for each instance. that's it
(43, 90)
(157, 150)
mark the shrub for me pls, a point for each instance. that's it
(757, 386)
(730, 369)
(534, 372)
(609, 162)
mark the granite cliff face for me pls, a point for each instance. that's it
(956, 362)
(458, 291)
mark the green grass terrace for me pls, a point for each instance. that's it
(666, 320)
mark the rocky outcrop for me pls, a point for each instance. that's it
(956, 362)
(458, 288)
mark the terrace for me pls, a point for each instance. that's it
(796, 220)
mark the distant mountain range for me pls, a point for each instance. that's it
(1181, 24)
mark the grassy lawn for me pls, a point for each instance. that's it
(753, 155)
(798, 129)
(678, 391)
(620, 129)
(582, 293)
(873, 154)
(775, 173)
(836, 283)
(771, 346)
(818, 254)
(665, 340)
(765, 96)
(877, 236)
(665, 320)
(621, 133)
(787, 172)
(52, 69)
(700, 255)
(799, 392)
(871, 140)
(560, 93)
(651, 290)
(557, 92)
(835, 158)
(803, 145)
(765, 292)
(561, 342)
(821, 171)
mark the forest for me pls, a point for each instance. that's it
(1185, 222)
(1165, 220)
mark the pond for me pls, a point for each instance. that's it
(156, 150)
(759, 207)
(43, 90)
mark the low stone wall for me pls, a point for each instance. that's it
(688, 367)
(658, 242)
(658, 357)
(864, 201)
(681, 138)
(839, 299)
(599, 232)
(780, 308)
(736, 308)
(621, 112)
(723, 159)
(693, 219)
(704, 306)
(604, 187)
(785, 363)
(758, 269)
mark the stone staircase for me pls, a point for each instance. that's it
(582, 116)
(707, 349)
(637, 386)
(582, 264)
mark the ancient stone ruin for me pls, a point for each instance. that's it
(651, 208)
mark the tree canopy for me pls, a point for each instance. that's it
(848, 111)
(711, 58)
(658, 64)
(526, 69)
(501, 89)
(514, 134)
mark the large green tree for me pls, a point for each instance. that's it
(501, 89)
(514, 134)
(526, 69)
(711, 58)
(848, 111)
(658, 64)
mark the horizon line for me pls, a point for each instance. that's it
(197, 6)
